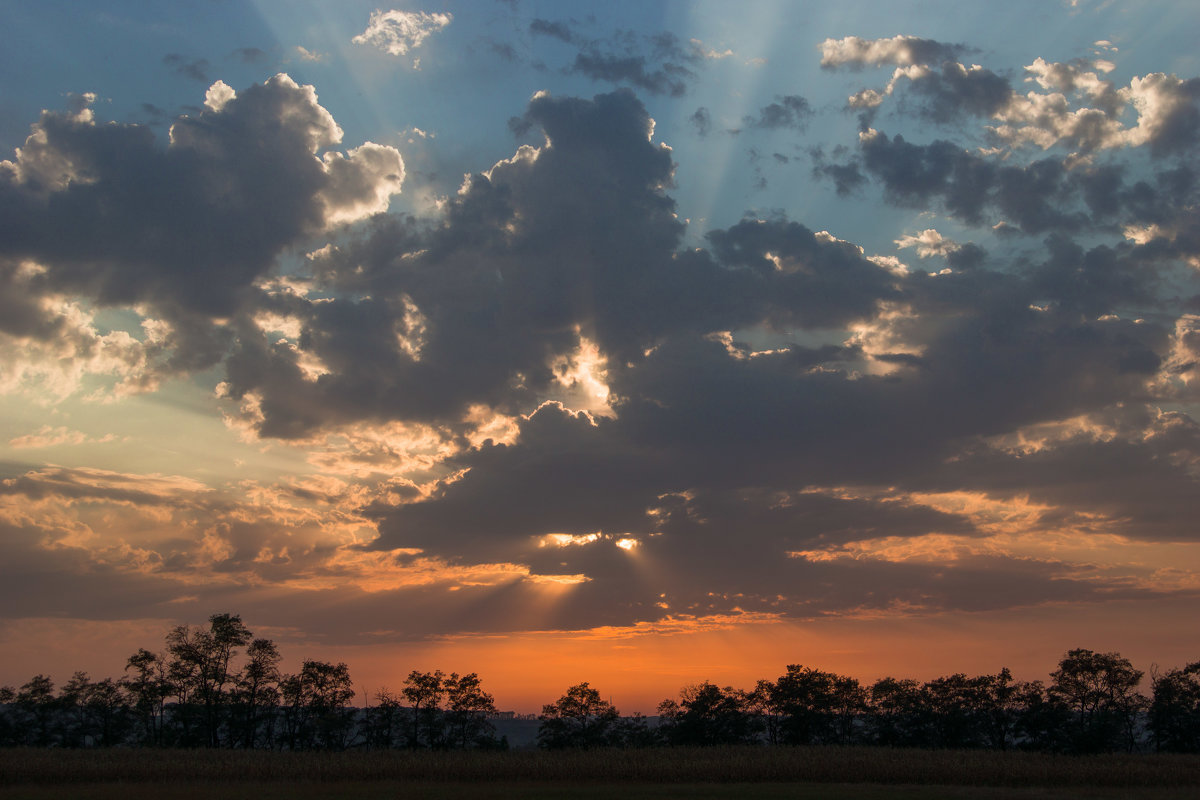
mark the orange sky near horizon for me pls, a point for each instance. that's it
(637, 670)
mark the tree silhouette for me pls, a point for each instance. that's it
(706, 714)
(581, 718)
(256, 694)
(1175, 710)
(315, 712)
(1100, 692)
(199, 669)
(36, 703)
(147, 684)
(225, 699)
(899, 713)
(467, 710)
(425, 692)
(816, 707)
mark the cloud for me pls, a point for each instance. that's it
(659, 63)
(546, 407)
(1077, 107)
(396, 32)
(790, 111)
(928, 243)
(101, 212)
(901, 51)
(251, 55)
(196, 69)
(668, 79)
(46, 436)
(554, 30)
(308, 55)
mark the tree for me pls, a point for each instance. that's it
(816, 707)
(37, 706)
(425, 693)
(633, 732)
(315, 712)
(1002, 702)
(8, 723)
(580, 718)
(707, 714)
(383, 720)
(199, 670)
(1100, 692)
(899, 715)
(1175, 710)
(72, 700)
(147, 685)
(760, 703)
(957, 716)
(255, 694)
(467, 711)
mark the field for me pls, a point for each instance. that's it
(818, 772)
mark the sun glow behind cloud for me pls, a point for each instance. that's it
(589, 398)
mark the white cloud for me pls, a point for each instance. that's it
(309, 55)
(396, 32)
(361, 183)
(928, 243)
(48, 371)
(218, 95)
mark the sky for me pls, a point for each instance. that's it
(637, 343)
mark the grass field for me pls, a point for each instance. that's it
(734, 772)
(422, 790)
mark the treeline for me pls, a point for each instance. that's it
(220, 687)
(192, 695)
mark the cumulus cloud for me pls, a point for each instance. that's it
(396, 32)
(548, 391)
(928, 243)
(101, 211)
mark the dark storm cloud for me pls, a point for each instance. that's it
(701, 120)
